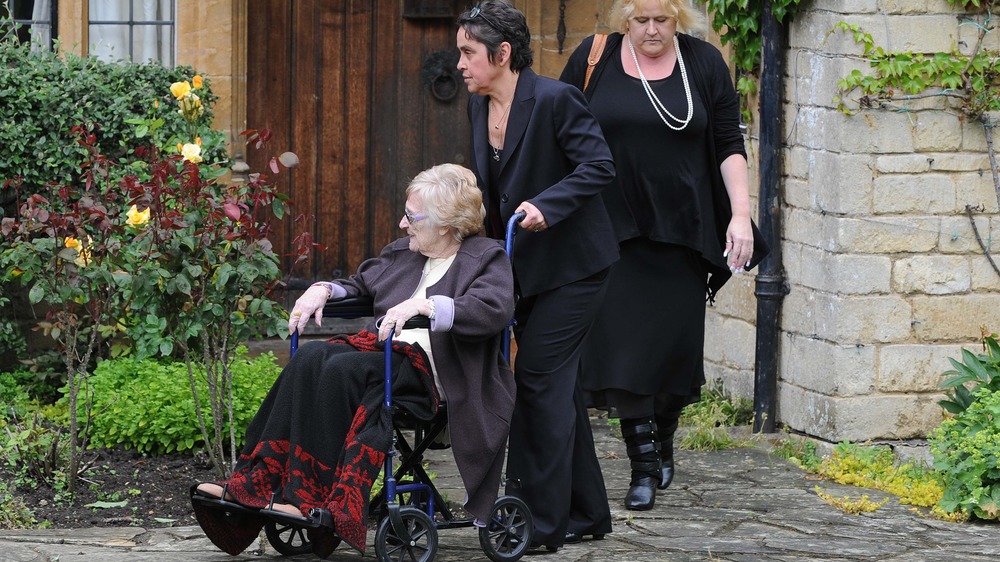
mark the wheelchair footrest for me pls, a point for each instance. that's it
(317, 518)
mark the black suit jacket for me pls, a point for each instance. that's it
(556, 158)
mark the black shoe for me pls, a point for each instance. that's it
(573, 538)
(641, 493)
(535, 545)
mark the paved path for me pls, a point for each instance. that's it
(736, 505)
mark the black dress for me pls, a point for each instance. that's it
(648, 338)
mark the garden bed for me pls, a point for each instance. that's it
(155, 491)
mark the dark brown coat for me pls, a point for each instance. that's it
(476, 378)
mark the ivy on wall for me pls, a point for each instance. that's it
(738, 23)
(971, 80)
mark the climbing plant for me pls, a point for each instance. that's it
(967, 80)
(738, 23)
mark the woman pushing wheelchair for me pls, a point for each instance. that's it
(318, 441)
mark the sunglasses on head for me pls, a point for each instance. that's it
(478, 12)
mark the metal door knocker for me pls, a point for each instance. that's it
(439, 73)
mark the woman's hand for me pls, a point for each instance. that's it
(533, 218)
(739, 244)
(309, 304)
(396, 316)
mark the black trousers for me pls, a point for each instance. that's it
(551, 463)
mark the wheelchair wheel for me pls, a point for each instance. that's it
(507, 536)
(423, 540)
(286, 539)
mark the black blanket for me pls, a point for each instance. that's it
(321, 435)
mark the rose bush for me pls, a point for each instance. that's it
(151, 255)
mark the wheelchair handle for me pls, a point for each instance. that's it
(511, 231)
(418, 321)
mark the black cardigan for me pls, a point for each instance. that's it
(718, 96)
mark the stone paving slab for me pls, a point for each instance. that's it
(738, 505)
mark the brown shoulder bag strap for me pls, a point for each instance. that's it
(596, 50)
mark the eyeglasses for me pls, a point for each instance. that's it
(477, 11)
(413, 218)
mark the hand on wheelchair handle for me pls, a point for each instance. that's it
(533, 219)
(309, 304)
(397, 316)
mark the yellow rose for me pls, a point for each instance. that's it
(191, 152)
(180, 89)
(137, 218)
(72, 242)
(83, 259)
(190, 107)
(196, 82)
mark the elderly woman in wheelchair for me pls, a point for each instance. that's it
(319, 439)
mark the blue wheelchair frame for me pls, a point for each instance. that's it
(510, 527)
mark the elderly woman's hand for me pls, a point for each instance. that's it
(739, 244)
(396, 316)
(309, 304)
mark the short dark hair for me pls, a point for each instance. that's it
(492, 22)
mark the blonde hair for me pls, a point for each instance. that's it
(689, 20)
(451, 197)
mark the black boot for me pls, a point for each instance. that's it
(644, 455)
(666, 427)
(668, 412)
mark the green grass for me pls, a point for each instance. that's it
(707, 422)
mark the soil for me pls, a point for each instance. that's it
(156, 492)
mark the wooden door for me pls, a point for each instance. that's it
(367, 99)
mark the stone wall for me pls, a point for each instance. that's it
(211, 38)
(887, 280)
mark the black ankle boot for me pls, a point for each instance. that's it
(644, 457)
(665, 435)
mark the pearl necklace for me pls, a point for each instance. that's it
(661, 110)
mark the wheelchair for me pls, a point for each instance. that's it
(411, 509)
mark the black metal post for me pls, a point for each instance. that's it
(771, 286)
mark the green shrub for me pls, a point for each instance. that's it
(14, 514)
(974, 371)
(147, 405)
(13, 396)
(43, 95)
(33, 451)
(25, 390)
(966, 449)
(11, 340)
